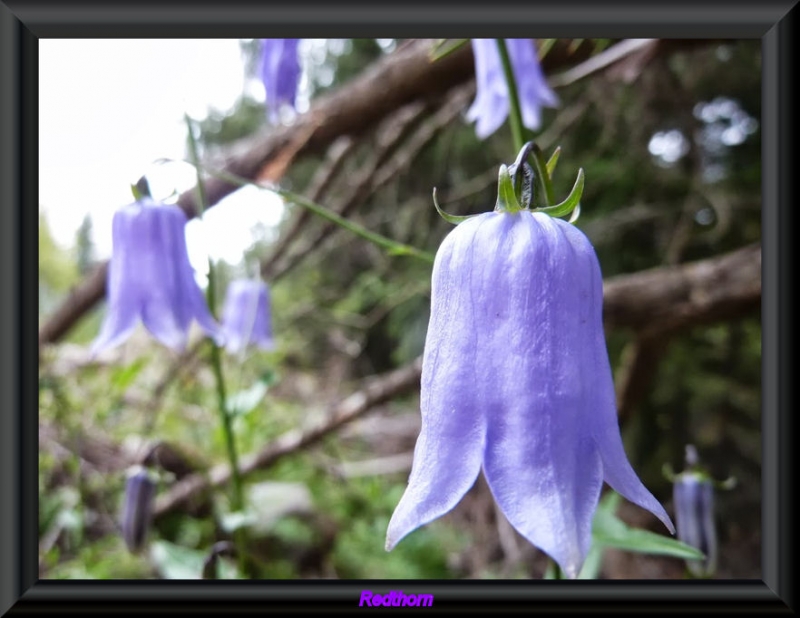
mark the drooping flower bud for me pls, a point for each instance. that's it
(150, 278)
(491, 105)
(246, 316)
(516, 382)
(693, 496)
(280, 72)
(137, 508)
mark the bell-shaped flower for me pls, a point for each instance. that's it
(693, 497)
(150, 278)
(246, 318)
(137, 508)
(491, 105)
(516, 382)
(280, 72)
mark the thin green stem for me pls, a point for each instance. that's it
(515, 111)
(237, 500)
(394, 247)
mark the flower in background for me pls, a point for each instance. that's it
(693, 496)
(150, 278)
(246, 316)
(491, 104)
(137, 508)
(516, 382)
(280, 72)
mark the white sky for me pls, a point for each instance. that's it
(109, 108)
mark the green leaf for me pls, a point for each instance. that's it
(591, 566)
(610, 531)
(176, 562)
(245, 401)
(445, 47)
(124, 376)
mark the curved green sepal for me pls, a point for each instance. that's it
(140, 189)
(506, 196)
(575, 214)
(553, 161)
(569, 204)
(443, 49)
(454, 219)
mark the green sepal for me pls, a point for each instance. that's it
(454, 219)
(569, 204)
(506, 196)
(553, 161)
(141, 189)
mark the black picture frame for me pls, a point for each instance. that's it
(22, 23)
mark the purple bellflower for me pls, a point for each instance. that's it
(280, 72)
(516, 382)
(137, 508)
(491, 104)
(693, 497)
(150, 278)
(246, 316)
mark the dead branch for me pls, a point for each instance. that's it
(380, 171)
(375, 391)
(668, 299)
(394, 130)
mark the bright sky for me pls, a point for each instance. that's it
(109, 108)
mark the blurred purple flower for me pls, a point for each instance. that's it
(693, 497)
(150, 278)
(280, 72)
(491, 104)
(246, 316)
(516, 382)
(137, 508)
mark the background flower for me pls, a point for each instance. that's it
(280, 72)
(246, 316)
(491, 104)
(150, 278)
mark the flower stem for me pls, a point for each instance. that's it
(394, 247)
(237, 499)
(515, 112)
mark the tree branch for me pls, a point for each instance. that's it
(374, 392)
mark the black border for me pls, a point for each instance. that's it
(23, 23)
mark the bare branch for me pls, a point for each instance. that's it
(374, 392)
(668, 299)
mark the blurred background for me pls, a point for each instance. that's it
(668, 134)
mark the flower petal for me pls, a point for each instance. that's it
(449, 451)
(542, 467)
(491, 105)
(124, 300)
(604, 423)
